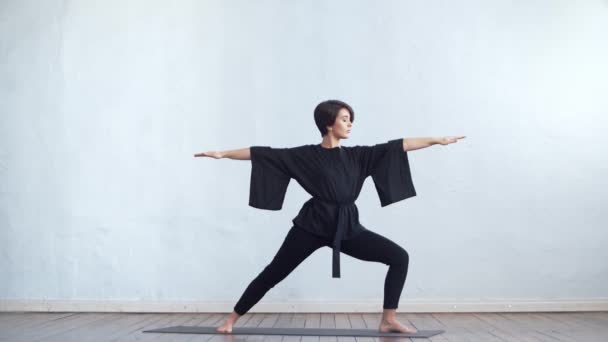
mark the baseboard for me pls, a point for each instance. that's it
(599, 304)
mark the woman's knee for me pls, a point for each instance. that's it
(267, 279)
(273, 273)
(402, 258)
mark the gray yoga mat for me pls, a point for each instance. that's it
(292, 331)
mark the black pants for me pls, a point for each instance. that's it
(299, 244)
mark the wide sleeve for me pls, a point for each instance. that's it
(389, 167)
(270, 177)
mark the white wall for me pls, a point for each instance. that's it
(103, 104)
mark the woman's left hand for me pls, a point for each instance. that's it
(449, 140)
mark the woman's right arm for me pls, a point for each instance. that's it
(239, 154)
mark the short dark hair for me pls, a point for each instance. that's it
(327, 111)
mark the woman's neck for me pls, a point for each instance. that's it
(330, 142)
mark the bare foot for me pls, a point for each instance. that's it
(228, 323)
(395, 326)
(226, 327)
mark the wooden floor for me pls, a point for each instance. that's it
(567, 326)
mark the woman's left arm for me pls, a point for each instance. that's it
(410, 144)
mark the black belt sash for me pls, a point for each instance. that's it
(342, 221)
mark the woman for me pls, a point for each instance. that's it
(333, 175)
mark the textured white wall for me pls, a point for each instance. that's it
(103, 104)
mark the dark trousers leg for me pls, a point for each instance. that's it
(370, 246)
(296, 247)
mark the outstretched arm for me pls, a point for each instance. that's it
(410, 144)
(239, 154)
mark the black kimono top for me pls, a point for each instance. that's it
(334, 178)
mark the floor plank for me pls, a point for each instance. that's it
(357, 322)
(342, 322)
(298, 321)
(313, 320)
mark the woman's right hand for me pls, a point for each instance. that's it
(212, 154)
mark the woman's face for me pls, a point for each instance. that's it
(342, 125)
